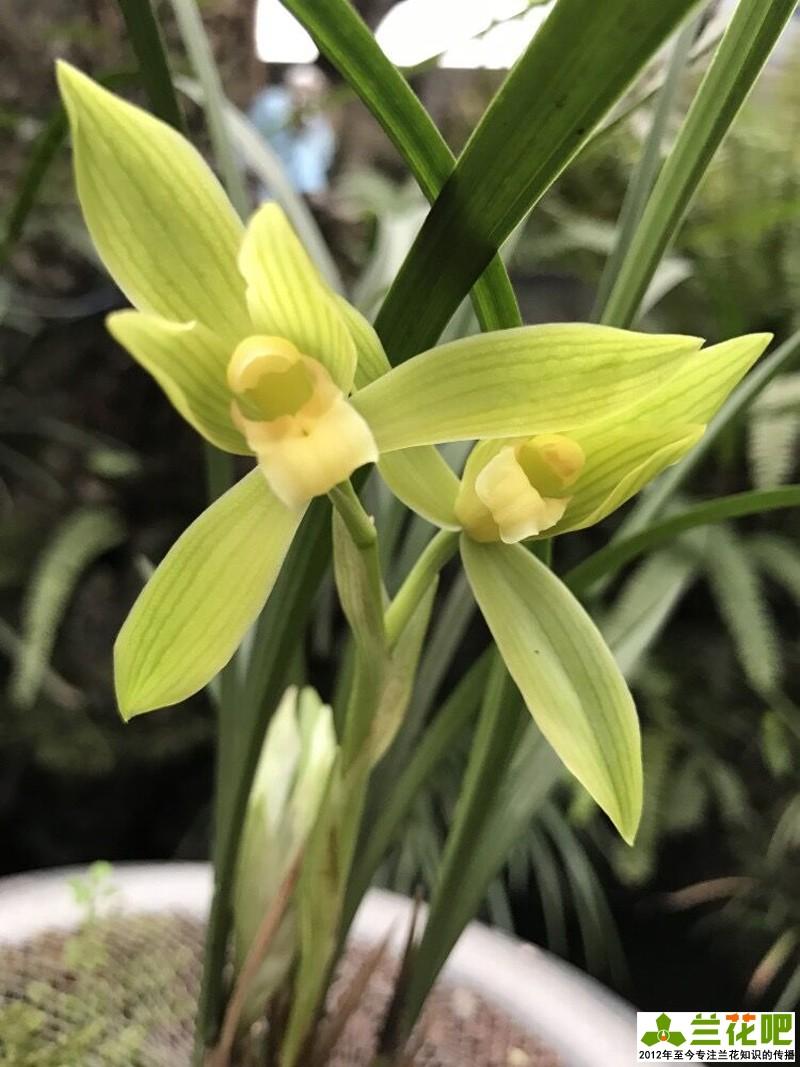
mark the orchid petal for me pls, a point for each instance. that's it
(524, 381)
(194, 611)
(567, 675)
(188, 361)
(158, 217)
(288, 298)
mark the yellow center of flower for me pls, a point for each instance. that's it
(552, 462)
(269, 378)
(522, 491)
(306, 435)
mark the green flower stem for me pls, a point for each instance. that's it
(360, 525)
(364, 687)
(438, 551)
(435, 743)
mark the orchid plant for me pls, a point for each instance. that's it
(258, 353)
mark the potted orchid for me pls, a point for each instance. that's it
(275, 368)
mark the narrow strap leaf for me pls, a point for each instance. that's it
(147, 42)
(608, 560)
(564, 84)
(743, 51)
(346, 42)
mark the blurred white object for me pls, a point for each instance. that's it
(466, 34)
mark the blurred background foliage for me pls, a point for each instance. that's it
(97, 476)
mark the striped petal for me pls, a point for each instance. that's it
(565, 672)
(288, 298)
(525, 381)
(620, 462)
(189, 362)
(156, 214)
(193, 613)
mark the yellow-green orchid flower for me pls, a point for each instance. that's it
(523, 488)
(262, 358)
(548, 484)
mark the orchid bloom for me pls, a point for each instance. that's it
(524, 488)
(258, 353)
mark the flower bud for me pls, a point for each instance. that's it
(288, 789)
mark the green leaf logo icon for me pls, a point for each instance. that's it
(663, 1035)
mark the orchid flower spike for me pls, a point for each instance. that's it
(264, 359)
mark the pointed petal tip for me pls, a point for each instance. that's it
(135, 699)
(628, 834)
(66, 72)
(128, 711)
(71, 81)
(764, 340)
(129, 704)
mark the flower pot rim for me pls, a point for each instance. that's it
(573, 1014)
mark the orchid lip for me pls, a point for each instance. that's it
(306, 435)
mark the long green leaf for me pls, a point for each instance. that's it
(433, 747)
(347, 42)
(648, 166)
(515, 797)
(577, 65)
(81, 538)
(608, 560)
(196, 42)
(497, 738)
(145, 37)
(744, 50)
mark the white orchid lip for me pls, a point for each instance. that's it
(299, 424)
(521, 491)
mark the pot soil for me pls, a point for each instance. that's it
(120, 992)
(84, 989)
